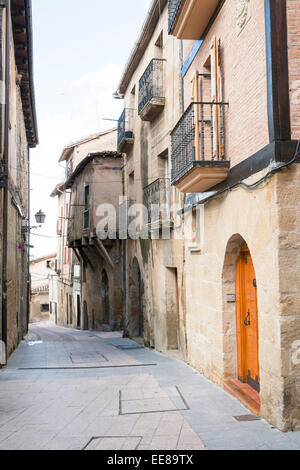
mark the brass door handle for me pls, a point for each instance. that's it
(247, 321)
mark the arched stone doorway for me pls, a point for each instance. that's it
(247, 320)
(240, 314)
(78, 311)
(105, 297)
(136, 317)
(85, 316)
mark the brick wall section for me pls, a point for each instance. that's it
(244, 79)
(293, 19)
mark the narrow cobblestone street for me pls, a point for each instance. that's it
(69, 389)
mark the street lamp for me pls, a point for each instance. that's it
(40, 217)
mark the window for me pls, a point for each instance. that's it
(86, 214)
(44, 307)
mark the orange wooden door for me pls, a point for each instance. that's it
(247, 320)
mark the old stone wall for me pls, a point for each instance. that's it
(293, 20)
(160, 262)
(267, 220)
(17, 306)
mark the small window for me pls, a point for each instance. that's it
(45, 308)
(86, 214)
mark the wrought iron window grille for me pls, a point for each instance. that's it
(151, 84)
(173, 9)
(125, 125)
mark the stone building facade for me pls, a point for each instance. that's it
(66, 287)
(96, 189)
(18, 133)
(210, 132)
(153, 267)
(240, 176)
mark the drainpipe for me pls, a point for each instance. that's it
(28, 248)
(5, 185)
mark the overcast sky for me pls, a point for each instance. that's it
(80, 50)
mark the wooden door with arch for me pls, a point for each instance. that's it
(247, 321)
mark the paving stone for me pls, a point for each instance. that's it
(64, 409)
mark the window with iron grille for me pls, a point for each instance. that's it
(151, 84)
(125, 125)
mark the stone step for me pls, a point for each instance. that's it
(244, 393)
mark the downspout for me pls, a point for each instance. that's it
(28, 248)
(5, 184)
(22, 291)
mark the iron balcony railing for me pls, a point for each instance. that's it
(151, 84)
(125, 125)
(173, 8)
(199, 135)
(156, 199)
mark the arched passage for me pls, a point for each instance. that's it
(240, 314)
(105, 297)
(78, 311)
(85, 316)
(136, 318)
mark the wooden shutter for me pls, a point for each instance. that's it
(195, 98)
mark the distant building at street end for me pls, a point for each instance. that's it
(40, 272)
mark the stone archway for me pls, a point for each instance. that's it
(78, 311)
(240, 324)
(136, 317)
(232, 254)
(85, 316)
(105, 297)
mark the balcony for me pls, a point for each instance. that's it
(125, 131)
(188, 19)
(198, 148)
(151, 91)
(157, 201)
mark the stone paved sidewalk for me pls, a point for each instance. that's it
(69, 389)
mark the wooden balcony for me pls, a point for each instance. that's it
(188, 19)
(151, 91)
(198, 148)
